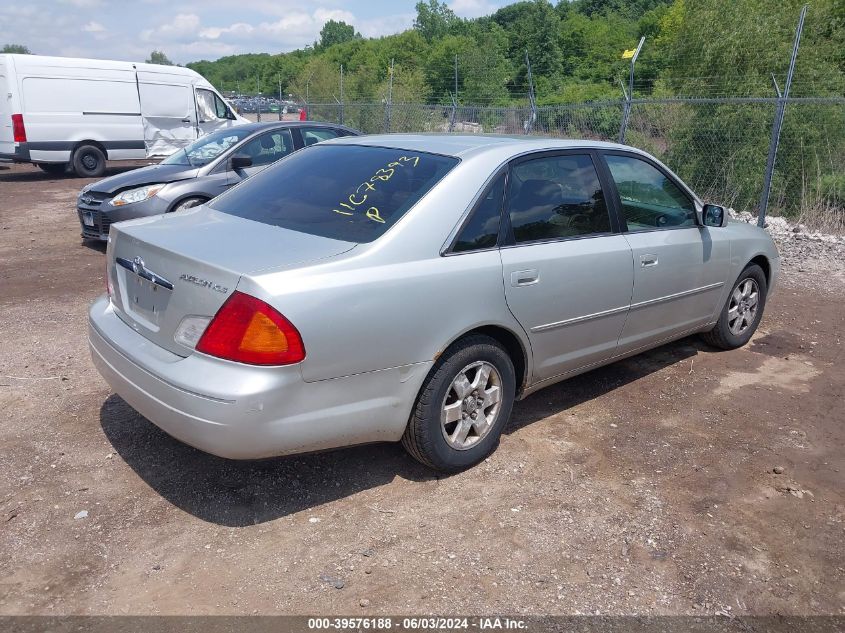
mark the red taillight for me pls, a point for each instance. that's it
(247, 330)
(18, 129)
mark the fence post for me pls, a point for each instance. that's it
(529, 124)
(388, 112)
(341, 94)
(626, 107)
(279, 77)
(258, 98)
(777, 124)
(454, 114)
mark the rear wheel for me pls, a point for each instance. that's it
(89, 161)
(742, 312)
(463, 406)
(54, 169)
(188, 203)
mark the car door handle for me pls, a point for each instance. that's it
(186, 120)
(525, 277)
(648, 260)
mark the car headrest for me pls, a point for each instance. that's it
(537, 192)
(267, 142)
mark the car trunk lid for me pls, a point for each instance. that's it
(165, 268)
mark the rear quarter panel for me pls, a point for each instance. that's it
(368, 318)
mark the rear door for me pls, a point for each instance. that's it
(679, 265)
(169, 115)
(567, 271)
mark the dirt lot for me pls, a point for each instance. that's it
(644, 487)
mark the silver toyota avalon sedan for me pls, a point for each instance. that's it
(411, 287)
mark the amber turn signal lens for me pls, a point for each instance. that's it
(248, 330)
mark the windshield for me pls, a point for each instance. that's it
(206, 149)
(345, 192)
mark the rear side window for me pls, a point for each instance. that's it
(482, 230)
(556, 197)
(310, 136)
(344, 192)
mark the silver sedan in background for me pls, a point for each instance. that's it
(411, 287)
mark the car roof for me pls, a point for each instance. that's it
(257, 127)
(465, 145)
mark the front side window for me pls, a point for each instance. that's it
(268, 148)
(556, 197)
(649, 198)
(344, 192)
(482, 229)
(210, 106)
(207, 148)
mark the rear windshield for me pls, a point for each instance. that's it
(345, 192)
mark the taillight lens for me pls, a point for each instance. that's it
(247, 330)
(18, 129)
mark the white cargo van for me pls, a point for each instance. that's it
(57, 112)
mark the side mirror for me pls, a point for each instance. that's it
(239, 161)
(714, 215)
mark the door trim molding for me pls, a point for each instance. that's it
(579, 319)
(677, 295)
(642, 304)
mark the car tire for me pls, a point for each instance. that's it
(187, 203)
(54, 169)
(88, 161)
(742, 311)
(442, 434)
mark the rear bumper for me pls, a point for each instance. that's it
(244, 412)
(20, 155)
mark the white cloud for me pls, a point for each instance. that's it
(93, 27)
(83, 4)
(472, 8)
(183, 27)
(386, 25)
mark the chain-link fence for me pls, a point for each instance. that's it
(718, 146)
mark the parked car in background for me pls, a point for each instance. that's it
(62, 112)
(195, 174)
(411, 287)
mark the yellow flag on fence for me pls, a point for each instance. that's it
(628, 54)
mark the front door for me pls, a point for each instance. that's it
(567, 275)
(679, 265)
(212, 112)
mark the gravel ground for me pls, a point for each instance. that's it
(682, 481)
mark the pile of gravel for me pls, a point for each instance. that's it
(803, 250)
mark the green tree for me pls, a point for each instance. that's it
(335, 32)
(434, 19)
(20, 49)
(158, 57)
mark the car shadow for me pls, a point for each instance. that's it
(239, 493)
(34, 174)
(95, 245)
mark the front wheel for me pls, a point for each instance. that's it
(463, 406)
(742, 312)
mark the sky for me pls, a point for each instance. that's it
(190, 30)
